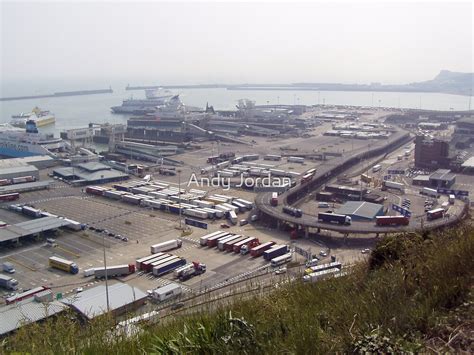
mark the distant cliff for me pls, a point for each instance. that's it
(448, 82)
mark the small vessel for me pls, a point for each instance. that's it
(15, 142)
(41, 118)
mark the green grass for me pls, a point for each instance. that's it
(397, 301)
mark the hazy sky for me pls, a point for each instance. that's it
(165, 43)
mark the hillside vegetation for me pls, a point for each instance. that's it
(414, 294)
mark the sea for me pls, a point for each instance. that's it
(79, 111)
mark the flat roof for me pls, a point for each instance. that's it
(468, 163)
(17, 169)
(443, 174)
(360, 208)
(31, 227)
(90, 176)
(25, 160)
(27, 311)
(93, 302)
(93, 166)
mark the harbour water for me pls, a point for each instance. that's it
(78, 111)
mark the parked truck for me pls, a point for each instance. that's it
(8, 282)
(429, 192)
(203, 240)
(250, 240)
(168, 266)
(212, 241)
(334, 218)
(229, 246)
(392, 221)
(196, 269)
(233, 217)
(393, 185)
(274, 200)
(435, 214)
(167, 292)
(8, 267)
(258, 250)
(112, 271)
(222, 242)
(275, 251)
(63, 264)
(165, 246)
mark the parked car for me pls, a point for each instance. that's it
(223, 225)
(176, 306)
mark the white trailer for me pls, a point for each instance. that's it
(233, 217)
(232, 207)
(221, 242)
(167, 292)
(394, 185)
(203, 239)
(247, 204)
(165, 246)
(429, 192)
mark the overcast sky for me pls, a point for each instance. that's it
(168, 43)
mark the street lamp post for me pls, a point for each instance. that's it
(106, 274)
(179, 196)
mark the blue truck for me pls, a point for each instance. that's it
(275, 251)
(168, 266)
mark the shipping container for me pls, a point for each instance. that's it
(275, 251)
(392, 220)
(258, 250)
(212, 241)
(203, 240)
(247, 241)
(196, 213)
(139, 261)
(168, 267)
(146, 265)
(239, 205)
(23, 179)
(233, 217)
(221, 243)
(195, 223)
(247, 204)
(9, 197)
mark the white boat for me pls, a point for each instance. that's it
(41, 118)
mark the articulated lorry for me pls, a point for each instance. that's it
(195, 269)
(275, 251)
(392, 221)
(8, 282)
(259, 249)
(334, 218)
(117, 270)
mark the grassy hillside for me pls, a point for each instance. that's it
(412, 295)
